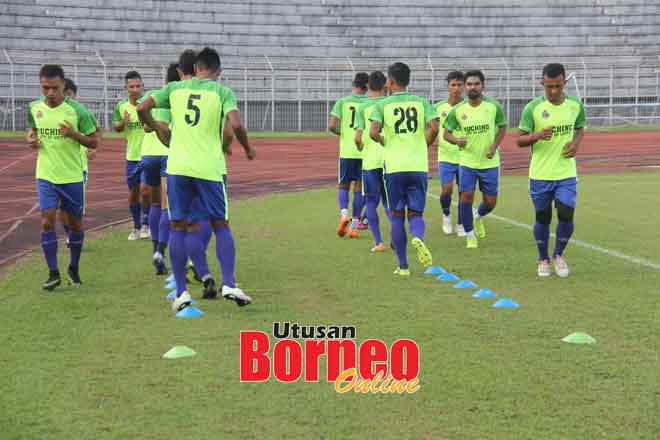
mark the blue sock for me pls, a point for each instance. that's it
(178, 257)
(542, 237)
(145, 214)
(465, 210)
(154, 223)
(75, 245)
(564, 232)
(135, 212)
(459, 220)
(49, 246)
(163, 230)
(417, 226)
(400, 240)
(372, 217)
(483, 209)
(445, 202)
(342, 198)
(197, 253)
(205, 231)
(225, 250)
(358, 204)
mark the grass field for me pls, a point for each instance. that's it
(87, 363)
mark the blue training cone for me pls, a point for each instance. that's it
(171, 295)
(465, 284)
(170, 285)
(448, 276)
(190, 312)
(484, 293)
(506, 303)
(435, 270)
(170, 278)
(193, 302)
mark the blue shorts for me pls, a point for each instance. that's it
(350, 170)
(134, 174)
(198, 213)
(489, 180)
(543, 192)
(153, 168)
(183, 190)
(69, 197)
(447, 172)
(406, 190)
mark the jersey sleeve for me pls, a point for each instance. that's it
(429, 112)
(162, 97)
(336, 109)
(116, 114)
(360, 123)
(527, 118)
(451, 123)
(377, 113)
(86, 121)
(228, 100)
(30, 118)
(581, 120)
(500, 119)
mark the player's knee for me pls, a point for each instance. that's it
(47, 224)
(412, 213)
(344, 185)
(564, 212)
(178, 225)
(447, 190)
(398, 213)
(544, 217)
(217, 224)
(467, 197)
(75, 224)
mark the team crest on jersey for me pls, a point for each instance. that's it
(464, 117)
(545, 114)
(443, 114)
(39, 114)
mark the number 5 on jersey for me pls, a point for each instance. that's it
(190, 119)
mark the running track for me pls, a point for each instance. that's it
(282, 165)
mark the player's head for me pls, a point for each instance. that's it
(207, 65)
(172, 73)
(360, 82)
(554, 80)
(455, 84)
(70, 88)
(377, 81)
(51, 80)
(133, 84)
(398, 76)
(187, 61)
(474, 83)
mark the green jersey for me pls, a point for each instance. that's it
(198, 109)
(548, 163)
(447, 152)
(373, 153)
(58, 157)
(83, 150)
(404, 117)
(133, 130)
(479, 125)
(151, 145)
(346, 111)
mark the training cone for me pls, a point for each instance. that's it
(506, 303)
(178, 352)
(171, 295)
(193, 302)
(465, 284)
(190, 312)
(579, 338)
(170, 285)
(435, 270)
(448, 276)
(170, 278)
(484, 293)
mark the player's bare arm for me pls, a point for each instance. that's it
(374, 133)
(432, 131)
(358, 139)
(501, 131)
(91, 141)
(333, 125)
(526, 139)
(241, 134)
(570, 150)
(460, 142)
(33, 139)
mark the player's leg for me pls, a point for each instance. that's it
(565, 201)
(371, 188)
(64, 221)
(164, 223)
(344, 185)
(213, 196)
(446, 172)
(180, 192)
(460, 230)
(355, 176)
(152, 176)
(133, 183)
(145, 199)
(416, 188)
(467, 185)
(395, 188)
(196, 244)
(489, 184)
(72, 196)
(48, 203)
(542, 193)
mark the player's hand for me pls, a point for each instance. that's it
(545, 134)
(91, 153)
(163, 134)
(126, 118)
(33, 140)
(66, 129)
(491, 152)
(250, 153)
(570, 149)
(461, 142)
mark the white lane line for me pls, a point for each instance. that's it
(17, 223)
(11, 164)
(594, 247)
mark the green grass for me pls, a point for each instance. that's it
(87, 363)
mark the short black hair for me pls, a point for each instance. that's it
(477, 73)
(553, 70)
(455, 75)
(70, 85)
(400, 72)
(209, 59)
(172, 73)
(377, 80)
(361, 80)
(51, 71)
(132, 74)
(187, 61)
